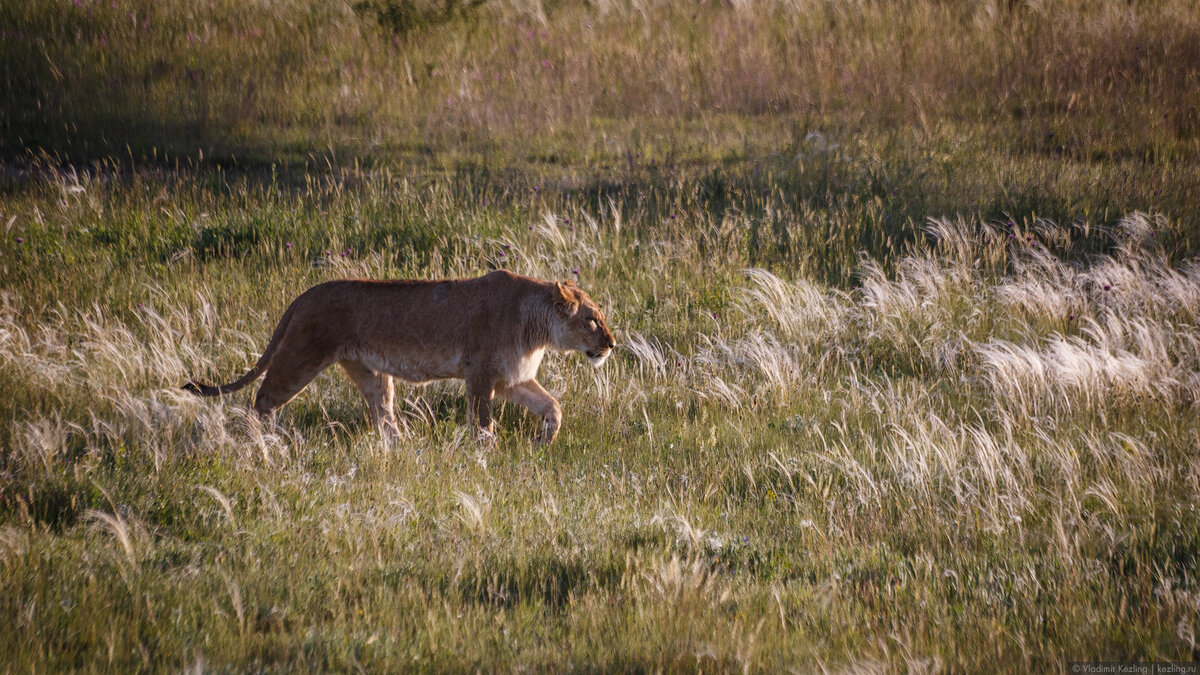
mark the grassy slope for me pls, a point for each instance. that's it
(921, 444)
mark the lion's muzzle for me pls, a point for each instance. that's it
(599, 356)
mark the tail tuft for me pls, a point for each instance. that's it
(201, 389)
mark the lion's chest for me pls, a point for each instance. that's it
(525, 367)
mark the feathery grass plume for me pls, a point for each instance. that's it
(1140, 231)
(42, 443)
(13, 543)
(648, 351)
(683, 584)
(1098, 367)
(758, 360)
(474, 512)
(958, 471)
(39, 360)
(926, 316)
(1045, 288)
(716, 388)
(1143, 283)
(235, 600)
(694, 539)
(966, 244)
(119, 527)
(197, 666)
(224, 502)
(804, 312)
(548, 228)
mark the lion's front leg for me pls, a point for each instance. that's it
(539, 401)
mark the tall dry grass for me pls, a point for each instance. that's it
(774, 471)
(586, 81)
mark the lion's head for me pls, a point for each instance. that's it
(581, 326)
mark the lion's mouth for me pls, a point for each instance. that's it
(598, 357)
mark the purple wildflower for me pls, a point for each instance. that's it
(20, 240)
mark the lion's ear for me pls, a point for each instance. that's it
(566, 300)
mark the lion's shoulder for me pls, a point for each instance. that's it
(502, 273)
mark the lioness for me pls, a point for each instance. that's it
(491, 332)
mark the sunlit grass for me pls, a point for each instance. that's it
(979, 439)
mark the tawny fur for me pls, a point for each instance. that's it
(491, 332)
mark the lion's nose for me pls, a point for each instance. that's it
(611, 343)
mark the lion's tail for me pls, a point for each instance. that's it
(259, 368)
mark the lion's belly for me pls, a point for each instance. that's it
(411, 368)
(426, 367)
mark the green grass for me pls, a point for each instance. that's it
(906, 441)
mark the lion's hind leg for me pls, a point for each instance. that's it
(539, 401)
(379, 392)
(287, 376)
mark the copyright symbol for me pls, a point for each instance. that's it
(1074, 667)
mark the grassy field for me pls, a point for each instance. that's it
(907, 295)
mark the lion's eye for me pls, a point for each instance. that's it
(592, 324)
